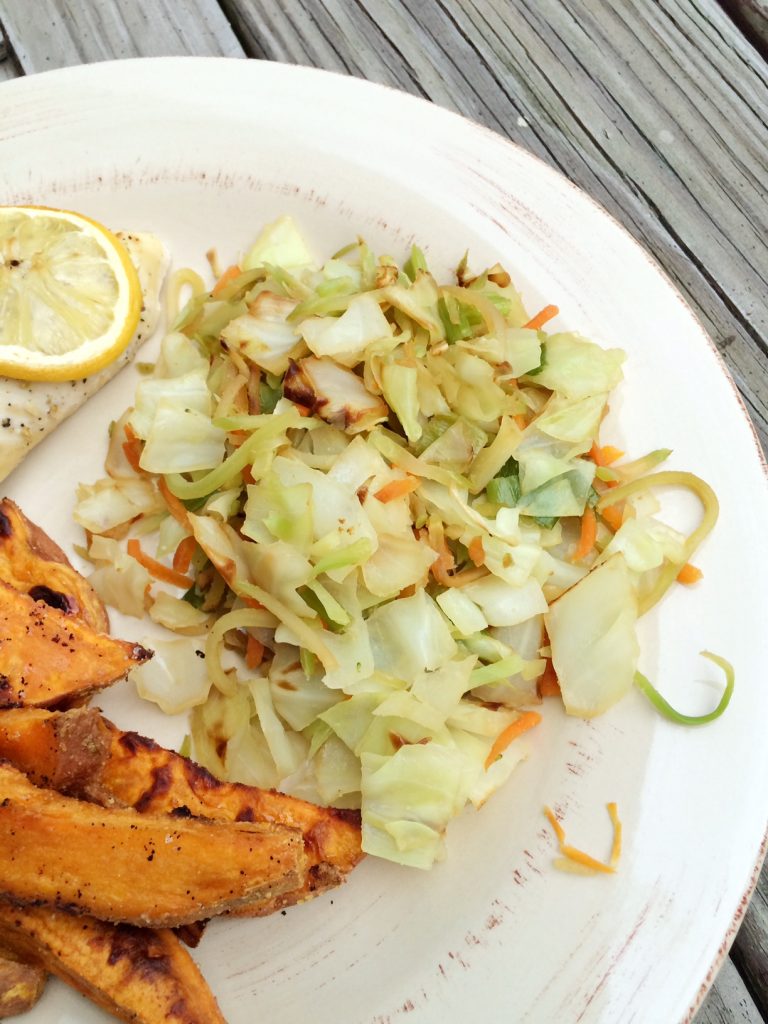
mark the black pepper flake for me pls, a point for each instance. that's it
(7, 421)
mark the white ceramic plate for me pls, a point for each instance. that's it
(202, 152)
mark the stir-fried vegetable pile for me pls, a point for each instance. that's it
(382, 502)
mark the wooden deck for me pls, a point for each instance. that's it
(656, 108)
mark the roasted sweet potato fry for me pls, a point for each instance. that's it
(137, 974)
(82, 753)
(47, 656)
(150, 870)
(21, 984)
(32, 563)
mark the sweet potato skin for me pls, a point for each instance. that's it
(48, 657)
(32, 563)
(124, 769)
(21, 984)
(136, 974)
(141, 869)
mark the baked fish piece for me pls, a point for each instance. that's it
(30, 410)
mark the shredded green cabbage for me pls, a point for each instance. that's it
(376, 480)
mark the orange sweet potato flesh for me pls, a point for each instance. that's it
(150, 870)
(82, 753)
(21, 984)
(136, 974)
(47, 656)
(32, 563)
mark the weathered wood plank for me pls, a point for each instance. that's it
(752, 17)
(8, 67)
(729, 1002)
(750, 950)
(58, 33)
(656, 109)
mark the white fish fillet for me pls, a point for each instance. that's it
(30, 410)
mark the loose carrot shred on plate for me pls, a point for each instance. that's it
(588, 535)
(526, 721)
(585, 860)
(397, 489)
(548, 684)
(689, 574)
(254, 652)
(157, 569)
(182, 556)
(175, 506)
(476, 551)
(229, 275)
(604, 455)
(541, 318)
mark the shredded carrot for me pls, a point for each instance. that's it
(303, 410)
(254, 652)
(526, 721)
(238, 437)
(182, 557)
(157, 569)
(476, 551)
(248, 477)
(548, 683)
(229, 275)
(520, 420)
(613, 516)
(132, 448)
(588, 535)
(175, 506)
(579, 857)
(251, 602)
(617, 830)
(541, 318)
(689, 574)
(397, 489)
(604, 455)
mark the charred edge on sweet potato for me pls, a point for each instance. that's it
(47, 657)
(115, 768)
(33, 564)
(141, 869)
(136, 974)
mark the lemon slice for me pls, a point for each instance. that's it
(70, 298)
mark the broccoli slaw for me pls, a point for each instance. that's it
(380, 507)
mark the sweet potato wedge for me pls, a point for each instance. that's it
(83, 754)
(150, 870)
(137, 974)
(47, 656)
(32, 563)
(21, 984)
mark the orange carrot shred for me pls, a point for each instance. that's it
(303, 410)
(229, 275)
(520, 420)
(548, 684)
(588, 535)
(132, 448)
(476, 551)
(541, 318)
(604, 455)
(182, 557)
(397, 489)
(613, 516)
(175, 506)
(689, 574)
(585, 860)
(157, 569)
(254, 652)
(526, 721)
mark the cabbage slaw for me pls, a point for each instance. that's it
(382, 502)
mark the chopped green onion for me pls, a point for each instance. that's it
(666, 709)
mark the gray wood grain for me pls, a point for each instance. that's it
(57, 33)
(752, 17)
(657, 109)
(750, 950)
(729, 1002)
(8, 67)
